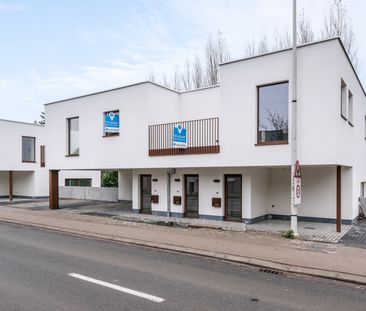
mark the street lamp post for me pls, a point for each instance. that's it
(294, 119)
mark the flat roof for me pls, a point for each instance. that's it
(20, 122)
(302, 46)
(131, 85)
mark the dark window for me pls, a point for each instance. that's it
(28, 149)
(43, 156)
(73, 136)
(111, 123)
(350, 108)
(78, 182)
(273, 113)
(343, 100)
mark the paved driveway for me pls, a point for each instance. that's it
(356, 236)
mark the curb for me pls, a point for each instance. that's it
(171, 222)
(256, 262)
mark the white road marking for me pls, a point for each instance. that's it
(119, 288)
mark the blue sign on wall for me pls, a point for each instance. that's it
(111, 122)
(179, 136)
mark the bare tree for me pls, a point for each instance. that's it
(216, 52)
(42, 120)
(176, 80)
(305, 33)
(285, 41)
(251, 49)
(186, 76)
(152, 77)
(165, 81)
(338, 24)
(263, 45)
(197, 74)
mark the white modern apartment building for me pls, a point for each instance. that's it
(23, 170)
(234, 160)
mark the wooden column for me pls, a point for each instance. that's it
(339, 199)
(11, 183)
(53, 190)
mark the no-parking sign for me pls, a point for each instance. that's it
(297, 184)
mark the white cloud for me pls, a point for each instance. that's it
(22, 98)
(11, 7)
(158, 43)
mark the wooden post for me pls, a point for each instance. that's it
(11, 182)
(339, 199)
(53, 190)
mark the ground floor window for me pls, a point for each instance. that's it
(78, 182)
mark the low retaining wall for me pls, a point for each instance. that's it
(89, 193)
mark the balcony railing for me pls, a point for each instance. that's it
(202, 136)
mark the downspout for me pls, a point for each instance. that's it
(169, 173)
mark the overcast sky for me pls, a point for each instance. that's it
(51, 50)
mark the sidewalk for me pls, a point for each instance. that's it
(309, 231)
(254, 248)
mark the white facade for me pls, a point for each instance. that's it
(326, 140)
(29, 178)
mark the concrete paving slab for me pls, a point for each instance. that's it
(356, 236)
(310, 231)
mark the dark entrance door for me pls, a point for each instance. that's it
(145, 192)
(191, 185)
(233, 197)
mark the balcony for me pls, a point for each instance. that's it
(202, 137)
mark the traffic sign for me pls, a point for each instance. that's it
(297, 172)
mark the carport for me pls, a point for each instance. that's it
(7, 185)
(16, 184)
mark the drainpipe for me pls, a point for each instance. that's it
(169, 173)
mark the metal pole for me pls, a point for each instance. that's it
(11, 185)
(168, 193)
(294, 119)
(339, 199)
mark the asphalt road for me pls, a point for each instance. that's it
(44, 270)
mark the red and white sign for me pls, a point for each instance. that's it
(297, 184)
(297, 172)
(297, 188)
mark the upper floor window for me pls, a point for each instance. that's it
(111, 123)
(346, 103)
(273, 113)
(343, 100)
(350, 108)
(28, 149)
(43, 156)
(73, 136)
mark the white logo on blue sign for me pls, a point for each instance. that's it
(179, 136)
(111, 122)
